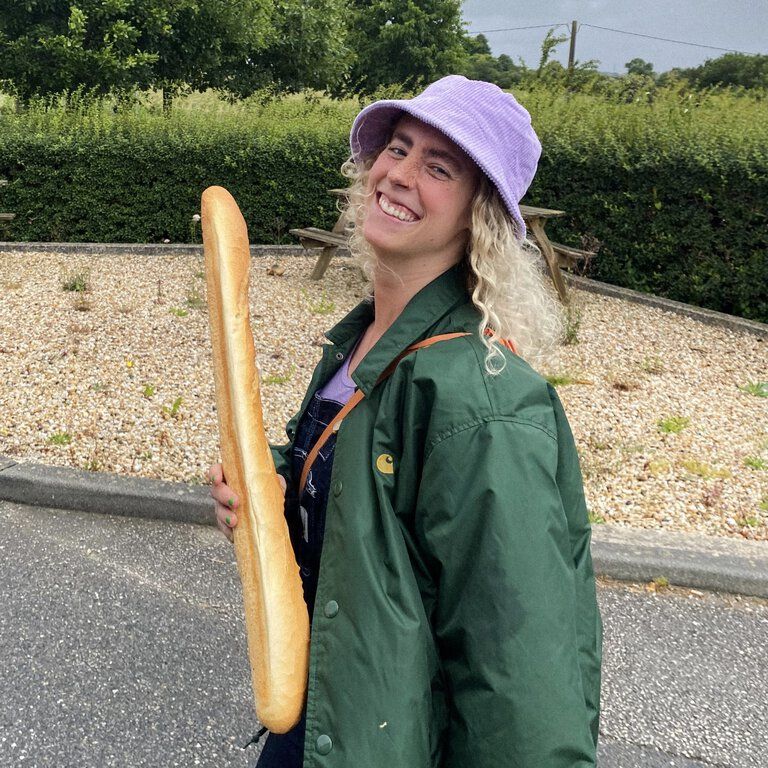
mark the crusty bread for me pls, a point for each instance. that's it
(276, 616)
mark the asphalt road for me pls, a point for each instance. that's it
(121, 644)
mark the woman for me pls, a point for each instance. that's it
(454, 619)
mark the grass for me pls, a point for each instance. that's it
(173, 411)
(748, 521)
(658, 467)
(60, 438)
(322, 307)
(763, 505)
(595, 519)
(81, 304)
(702, 469)
(195, 300)
(178, 311)
(77, 283)
(755, 462)
(654, 365)
(559, 380)
(279, 378)
(148, 391)
(572, 323)
(672, 425)
(756, 388)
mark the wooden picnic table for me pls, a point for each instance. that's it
(555, 255)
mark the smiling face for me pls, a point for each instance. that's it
(422, 185)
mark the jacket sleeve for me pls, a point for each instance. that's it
(502, 520)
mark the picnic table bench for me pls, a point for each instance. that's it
(555, 255)
(5, 218)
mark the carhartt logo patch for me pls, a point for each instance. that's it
(385, 464)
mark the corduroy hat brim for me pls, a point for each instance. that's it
(486, 122)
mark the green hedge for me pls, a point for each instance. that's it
(137, 177)
(674, 191)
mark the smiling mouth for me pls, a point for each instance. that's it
(396, 211)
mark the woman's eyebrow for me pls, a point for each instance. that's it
(441, 154)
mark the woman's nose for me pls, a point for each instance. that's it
(403, 172)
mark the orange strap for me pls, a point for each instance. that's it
(358, 395)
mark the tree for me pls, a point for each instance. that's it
(640, 67)
(737, 69)
(476, 45)
(307, 48)
(403, 42)
(117, 46)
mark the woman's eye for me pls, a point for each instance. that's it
(396, 150)
(438, 170)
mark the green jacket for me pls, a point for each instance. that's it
(456, 624)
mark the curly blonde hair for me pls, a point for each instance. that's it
(505, 276)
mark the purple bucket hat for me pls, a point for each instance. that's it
(486, 122)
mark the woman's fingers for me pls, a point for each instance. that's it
(226, 500)
(225, 530)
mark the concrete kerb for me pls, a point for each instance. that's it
(625, 554)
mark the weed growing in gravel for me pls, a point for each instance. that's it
(12, 285)
(673, 424)
(178, 311)
(595, 519)
(622, 385)
(764, 504)
(60, 438)
(323, 307)
(756, 388)
(755, 462)
(195, 300)
(200, 274)
(702, 469)
(658, 466)
(560, 380)
(92, 465)
(77, 282)
(572, 323)
(98, 387)
(653, 365)
(660, 583)
(149, 390)
(279, 378)
(748, 521)
(82, 305)
(712, 495)
(565, 378)
(173, 411)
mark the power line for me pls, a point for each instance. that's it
(620, 31)
(668, 40)
(514, 29)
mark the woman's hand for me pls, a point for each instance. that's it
(226, 500)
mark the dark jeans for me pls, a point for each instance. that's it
(285, 750)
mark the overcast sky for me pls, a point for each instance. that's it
(736, 25)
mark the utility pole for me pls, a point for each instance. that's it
(572, 51)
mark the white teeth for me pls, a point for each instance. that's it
(390, 209)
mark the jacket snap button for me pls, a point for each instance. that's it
(324, 744)
(337, 487)
(339, 355)
(331, 609)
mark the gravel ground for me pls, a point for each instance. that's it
(117, 379)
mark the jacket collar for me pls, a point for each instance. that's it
(435, 300)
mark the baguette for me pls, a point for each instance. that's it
(276, 618)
